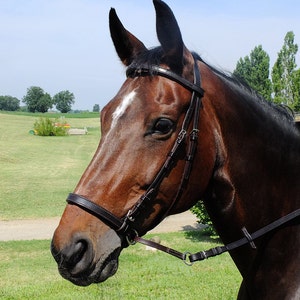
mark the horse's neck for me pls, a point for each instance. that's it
(256, 178)
(253, 134)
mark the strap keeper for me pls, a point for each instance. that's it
(181, 136)
(194, 134)
(248, 237)
(189, 157)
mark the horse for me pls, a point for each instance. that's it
(177, 131)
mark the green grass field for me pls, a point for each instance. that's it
(36, 175)
(37, 172)
(29, 272)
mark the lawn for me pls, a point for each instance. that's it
(36, 175)
(28, 272)
(37, 172)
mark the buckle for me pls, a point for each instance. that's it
(186, 258)
(131, 240)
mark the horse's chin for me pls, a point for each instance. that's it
(97, 273)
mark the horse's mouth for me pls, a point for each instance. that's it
(95, 273)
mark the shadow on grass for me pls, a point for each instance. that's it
(200, 236)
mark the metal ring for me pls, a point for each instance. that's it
(132, 241)
(186, 260)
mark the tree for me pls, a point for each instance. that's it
(283, 72)
(9, 103)
(296, 90)
(44, 103)
(96, 108)
(37, 100)
(63, 101)
(254, 69)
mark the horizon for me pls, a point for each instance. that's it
(66, 45)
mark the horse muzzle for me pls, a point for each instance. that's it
(84, 261)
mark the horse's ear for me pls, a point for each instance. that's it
(126, 44)
(169, 35)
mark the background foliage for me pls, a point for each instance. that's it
(47, 127)
(9, 103)
(63, 101)
(254, 69)
(284, 85)
(283, 73)
(37, 100)
(200, 211)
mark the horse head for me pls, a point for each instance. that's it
(139, 127)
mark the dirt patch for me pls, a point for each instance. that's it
(43, 228)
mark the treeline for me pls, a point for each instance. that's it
(281, 84)
(9, 103)
(36, 100)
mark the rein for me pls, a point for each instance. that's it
(248, 238)
(124, 226)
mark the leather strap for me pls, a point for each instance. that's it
(189, 258)
(157, 70)
(92, 208)
(160, 247)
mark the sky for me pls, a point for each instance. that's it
(65, 44)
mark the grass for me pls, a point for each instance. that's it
(28, 272)
(36, 175)
(82, 115)
(37, 172)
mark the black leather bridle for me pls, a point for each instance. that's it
(125, 226)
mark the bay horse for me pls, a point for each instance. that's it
(178, 131)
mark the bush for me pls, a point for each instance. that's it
(200, 211)
(46, 127)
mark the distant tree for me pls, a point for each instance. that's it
(96, 108)
(296, 90)
(254, 69)
(9, 103)
(44, 103)
(37, 100)
(283, 72)
(63, 101)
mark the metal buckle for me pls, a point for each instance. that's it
(132, 241)
(194, 134)
(181, 136)
(129, 217)
(186, 260)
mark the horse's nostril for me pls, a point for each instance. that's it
(75, 259)
(80, 249)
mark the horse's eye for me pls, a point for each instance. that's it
(163, 126)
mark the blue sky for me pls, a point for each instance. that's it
(65, 44)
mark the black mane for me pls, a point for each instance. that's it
(282, 110)
(155, 56)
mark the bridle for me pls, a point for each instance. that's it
(124, 227)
